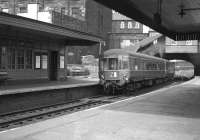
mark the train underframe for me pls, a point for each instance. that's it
(112, 88)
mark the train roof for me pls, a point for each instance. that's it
(125, 52)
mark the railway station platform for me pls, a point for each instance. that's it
(170, 113)
(44, 84)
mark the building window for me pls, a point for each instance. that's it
(62, 62)
(41, 61)
(23, 10)
(189, 42)
(11, 58)
(20, 58)
(44, 61)
(125, 43)
(137, 25)
(37, 61)
(155, 42)
(29, 59)
(122, 25)
(130, 26)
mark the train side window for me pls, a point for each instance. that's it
(154, 66)
(141, 64)
(136, 64)
(162, 66)
(132, 64)
(157, 66)
(145, 65)
(120, 62)
(125, 62)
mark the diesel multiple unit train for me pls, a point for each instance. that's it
(122, 69)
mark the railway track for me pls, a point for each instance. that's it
(24, 117)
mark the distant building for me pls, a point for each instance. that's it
(125, 32)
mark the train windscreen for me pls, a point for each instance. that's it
(115, 63)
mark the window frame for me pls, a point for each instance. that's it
(41, 54)
(137, 25)
(122, 25)
(130, 25)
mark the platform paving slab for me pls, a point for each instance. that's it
(165, 114)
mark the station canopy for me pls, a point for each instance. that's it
(177, 19)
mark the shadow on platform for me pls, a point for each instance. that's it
(180, 101)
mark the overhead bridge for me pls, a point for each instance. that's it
(178, 20)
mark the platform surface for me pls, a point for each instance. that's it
(41, 85)
(170, 113)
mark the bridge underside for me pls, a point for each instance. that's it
(190, 57)
(176, 19)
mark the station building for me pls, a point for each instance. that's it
(36, 36)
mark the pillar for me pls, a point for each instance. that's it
(197, 70)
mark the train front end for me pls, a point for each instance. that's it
(114, 73)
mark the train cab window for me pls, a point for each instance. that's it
(112, 63)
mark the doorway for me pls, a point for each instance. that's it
(53, 65)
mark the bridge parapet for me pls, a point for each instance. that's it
(188, 46)
(181, 49)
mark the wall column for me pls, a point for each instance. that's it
(197, 70)
(53, 65)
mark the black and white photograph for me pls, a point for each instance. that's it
(99, 70)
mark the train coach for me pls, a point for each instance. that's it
(121, 69)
